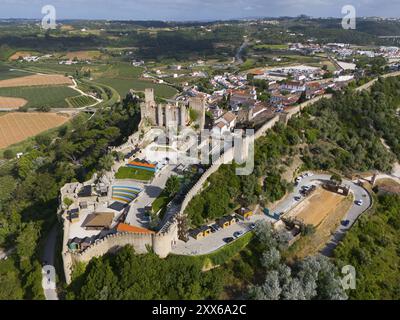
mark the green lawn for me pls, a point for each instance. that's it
(161, 202)
(39, 96)
(133, 173)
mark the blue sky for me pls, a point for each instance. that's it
(194, 9)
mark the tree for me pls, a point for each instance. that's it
(172, 186)
(106, 162)
(26, 243)
(271, 258)
(9, 154)
(337, 179)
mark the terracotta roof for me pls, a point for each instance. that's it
(229, 116)
(123, 227)
(99, 219)
(220, 124)
(257, 72)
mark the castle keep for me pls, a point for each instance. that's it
(171, 114)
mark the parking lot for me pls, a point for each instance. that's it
(215, 240)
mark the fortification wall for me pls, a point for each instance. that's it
(112, 243)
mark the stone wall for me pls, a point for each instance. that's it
(112, 243)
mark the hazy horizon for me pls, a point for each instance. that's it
(193, 10)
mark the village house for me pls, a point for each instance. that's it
(225, 123)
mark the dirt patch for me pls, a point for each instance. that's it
(312, 244)
(387, 182)
(18, 54)
(83, 55)
(36, 80)
(12, 103)
(16, 127)
(317, 207)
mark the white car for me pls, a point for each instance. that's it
(298, 179)
(359, 202)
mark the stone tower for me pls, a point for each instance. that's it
(148, 107)
(198, 104)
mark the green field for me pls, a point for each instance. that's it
(6, 73)
(39, 96)
(123, 86)
(123, 77)
(272, 46)
(133, 173)
(80, 101)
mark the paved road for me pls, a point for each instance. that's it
(215, 240)
(50, 291)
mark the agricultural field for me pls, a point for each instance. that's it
(11, 103)
(271, 46)
(15, 56)
(7, 72)
(123, 77)
(83, 55)
(54, 96)
(16, 127)
(36, 80)
(80, 101)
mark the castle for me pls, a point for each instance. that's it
(172, 114)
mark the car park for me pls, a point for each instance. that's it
(345, 223)
(237, 234)
(228, 240)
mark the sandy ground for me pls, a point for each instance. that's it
(12, 103)
(36, 80)
(317, 207)
(314, 243)
(83, 55)
(18, 54)
(16, 127)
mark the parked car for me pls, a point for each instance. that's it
(237, 234)
(252, 226)
(345, 223)
(297, 198)
(228, 240)
(359, 202)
